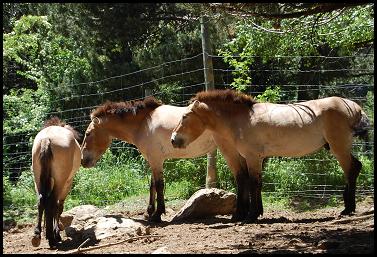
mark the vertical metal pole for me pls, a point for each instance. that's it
(209, 83)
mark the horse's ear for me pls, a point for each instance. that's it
(96, 120)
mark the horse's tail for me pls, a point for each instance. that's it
(47, 183)
(360, 129)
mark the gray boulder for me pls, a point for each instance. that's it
(88, 221)
(206, 203)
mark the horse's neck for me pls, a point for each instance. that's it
(127, 129)
(223, 116)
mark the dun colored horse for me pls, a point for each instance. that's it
(148, 125)
(55, 160)
(243, 127)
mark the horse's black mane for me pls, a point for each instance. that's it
(224, 96)
(55, 121)
(122, 108)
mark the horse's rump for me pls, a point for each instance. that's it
(55, 155)
(360, 129)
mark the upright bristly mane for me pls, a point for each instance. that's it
(55, 121)
(124, 108)
(224, 96)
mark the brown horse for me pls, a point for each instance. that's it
(55, 160)
(242, 126)
(148, 125)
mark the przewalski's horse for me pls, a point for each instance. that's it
(148, 125)
(56, 158)
(241, 126)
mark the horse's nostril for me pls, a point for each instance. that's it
(172, 140)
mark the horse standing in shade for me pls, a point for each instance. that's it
(242, 126)
(148, 125)
(56, 158)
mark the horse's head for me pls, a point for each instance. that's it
(97, 139)
(189, 127)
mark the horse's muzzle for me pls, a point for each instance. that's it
(87, 162)
(177, 142)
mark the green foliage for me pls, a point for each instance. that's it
(21, 196)
(256, 45)
(24, 110)
(112, 180)
(50, 59)
(271, 95)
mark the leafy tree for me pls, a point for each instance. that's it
(335, 35)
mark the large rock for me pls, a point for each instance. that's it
(206, 203)
(87, 221)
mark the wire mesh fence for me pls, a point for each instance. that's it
(175, 82)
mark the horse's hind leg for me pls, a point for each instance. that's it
(350, 189)
(351, 167)
(36, 240)
(58, 226)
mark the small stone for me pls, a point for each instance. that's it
(161, 250)
(326, 245)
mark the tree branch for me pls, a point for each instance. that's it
(313, 9)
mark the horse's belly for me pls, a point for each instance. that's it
(293, 144)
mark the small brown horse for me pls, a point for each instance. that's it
(241, 126)
(56, 158)
(148, 125)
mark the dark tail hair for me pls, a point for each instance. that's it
(360, 129)
(48, 198)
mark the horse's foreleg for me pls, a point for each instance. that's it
(255, 180)
(242, 204)
(237, 164)
(152, 198)
(156, 216)
(242, 180)
(158, 183)
(36, 240)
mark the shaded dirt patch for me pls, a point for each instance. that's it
(278, 231)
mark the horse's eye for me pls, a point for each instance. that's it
(87, 134)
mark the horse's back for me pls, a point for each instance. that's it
(66, 156)
(300, 128)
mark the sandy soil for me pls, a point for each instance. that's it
(319, 231)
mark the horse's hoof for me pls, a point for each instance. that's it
(252, 218)
(237, 217)
(52, 245)
(347, 212)
(36, 240)
(155, 218)
(58, 237)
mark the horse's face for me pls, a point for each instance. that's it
(96, 141)
(189, 127)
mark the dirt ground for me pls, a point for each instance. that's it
(278, 231)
